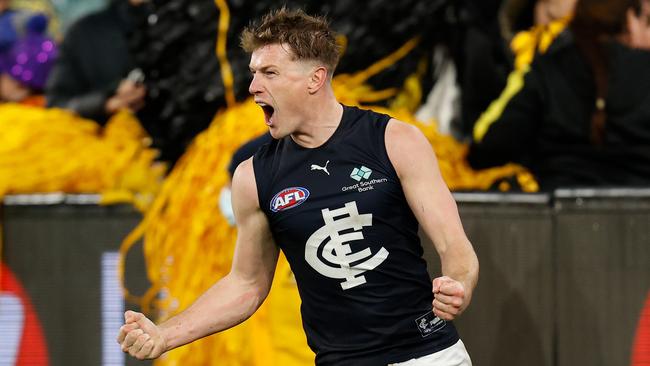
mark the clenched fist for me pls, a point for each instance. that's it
(140, 337)
(448, 298)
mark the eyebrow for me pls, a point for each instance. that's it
(262, 69)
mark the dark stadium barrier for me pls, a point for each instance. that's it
(603, 273)
(563, 276)
(62, 250)
(510, 321)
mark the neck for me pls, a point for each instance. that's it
(320, 122)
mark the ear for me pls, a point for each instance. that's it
(317, 79)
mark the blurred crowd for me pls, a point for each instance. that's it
(561, 87)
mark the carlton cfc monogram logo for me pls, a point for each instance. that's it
(289, 198)
(342, 263)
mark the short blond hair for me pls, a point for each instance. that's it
(309, 37)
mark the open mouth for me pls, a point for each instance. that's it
(268, 112)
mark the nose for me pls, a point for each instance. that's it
(254, 87)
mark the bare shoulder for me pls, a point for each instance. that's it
(407, 147)
(398, 130)
(404, 139)
(244, 187)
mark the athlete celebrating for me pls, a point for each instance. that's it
(340, 191)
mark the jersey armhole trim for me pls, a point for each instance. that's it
(384, 150)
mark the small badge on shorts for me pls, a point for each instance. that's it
(429, 324)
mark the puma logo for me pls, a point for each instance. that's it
(323, 168)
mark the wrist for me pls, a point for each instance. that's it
(166, 337)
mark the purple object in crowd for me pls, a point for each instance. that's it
(31, 57)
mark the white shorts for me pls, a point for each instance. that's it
(455, 355)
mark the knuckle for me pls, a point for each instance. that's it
(149, 350)
(146, 348)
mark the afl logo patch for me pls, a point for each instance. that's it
(289, 198)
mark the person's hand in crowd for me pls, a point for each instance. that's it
(547, 11)
(638, 27)
(11, 90)
(129, 95)
(140, 337)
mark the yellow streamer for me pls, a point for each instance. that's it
(495, 109)
(410, 97)
(527, 44)
(361, 77)
(51, 150)
(226, 70)
(350, 88)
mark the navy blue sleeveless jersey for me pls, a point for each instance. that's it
(339, 214)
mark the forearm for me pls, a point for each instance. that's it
(460, 263)
(90, 105)
(226, 304)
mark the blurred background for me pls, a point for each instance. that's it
(121, 122)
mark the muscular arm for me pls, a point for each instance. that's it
(232, 299)
(435, 209)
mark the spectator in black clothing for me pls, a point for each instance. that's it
(581, 116)
(90, 76)
(478, 42)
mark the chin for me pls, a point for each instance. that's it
(276, 133)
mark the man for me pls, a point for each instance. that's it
(341, 191)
